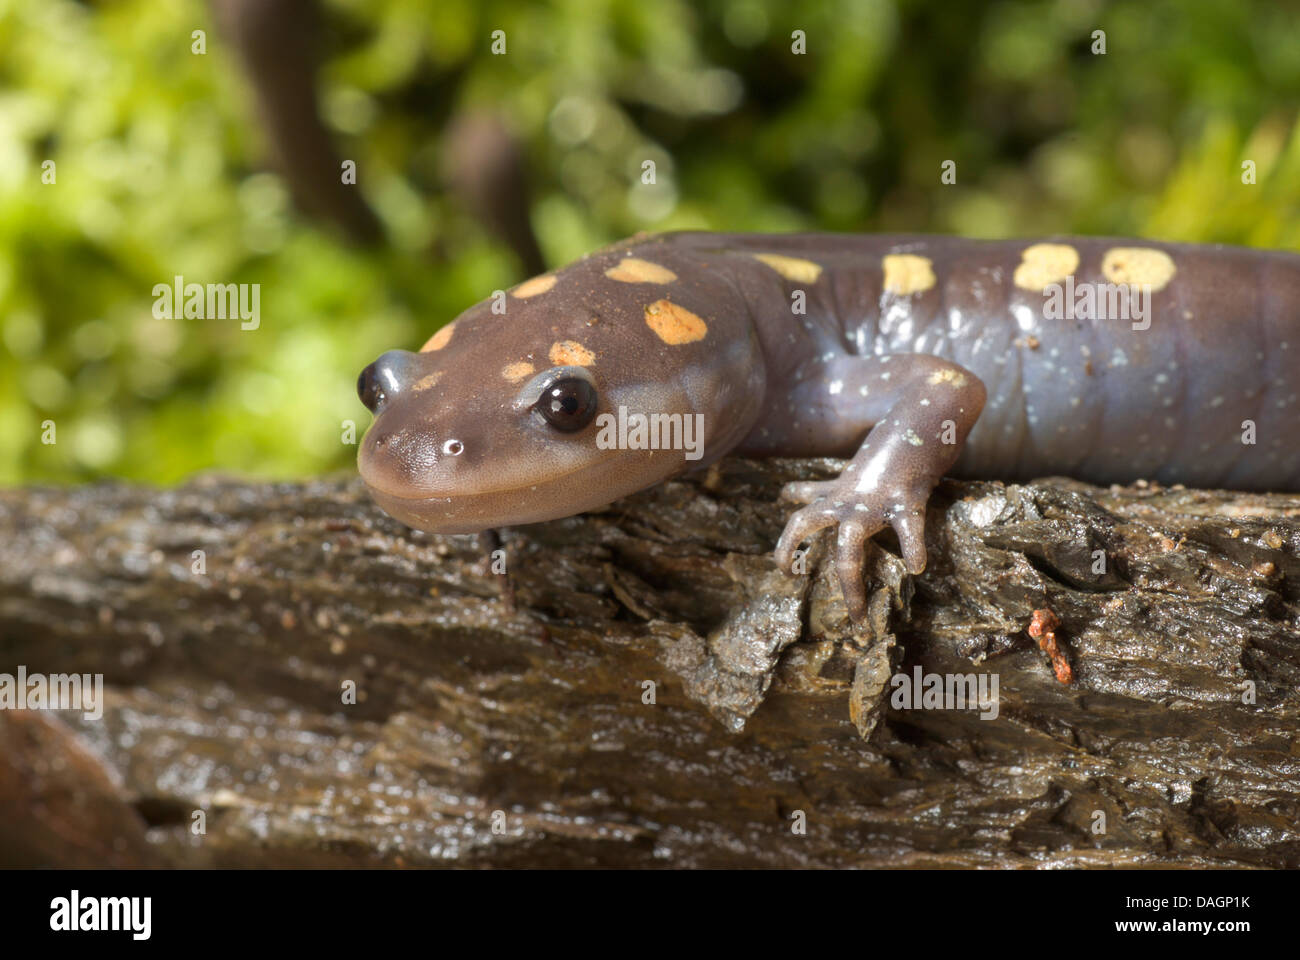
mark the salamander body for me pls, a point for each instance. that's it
(916, 356)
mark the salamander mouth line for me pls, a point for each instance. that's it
(377, 488)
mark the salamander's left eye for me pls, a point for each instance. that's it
(568, 405)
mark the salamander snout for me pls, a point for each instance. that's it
(385, 378)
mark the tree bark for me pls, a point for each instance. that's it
(660, 695)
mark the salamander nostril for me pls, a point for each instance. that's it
(369, 390)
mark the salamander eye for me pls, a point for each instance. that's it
(568, 405)
(369, 390)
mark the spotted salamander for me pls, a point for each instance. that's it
(916, 356)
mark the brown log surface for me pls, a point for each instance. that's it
(483, 737)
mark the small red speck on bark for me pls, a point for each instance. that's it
(1043, 629)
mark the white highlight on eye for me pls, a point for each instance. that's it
(453, 448)
(393, 385)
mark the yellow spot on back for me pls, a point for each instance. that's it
(674, 325)
(531, 288)
(439, 339)
(792, 268)
(427, 381)
(635, 270)
(570, 353)
(906, 273)
(514, 372)
(955, 378)
(1142, 266)
(1044, 264)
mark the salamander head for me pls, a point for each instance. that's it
(507, 418)
(459, 455)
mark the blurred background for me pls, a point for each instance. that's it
(475, 169)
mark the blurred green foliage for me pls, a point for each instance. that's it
(161, 169)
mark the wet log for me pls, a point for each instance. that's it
(292, 678)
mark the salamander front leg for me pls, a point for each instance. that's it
(922, 408)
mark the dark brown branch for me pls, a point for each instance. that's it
(225, 686)
(276, 41)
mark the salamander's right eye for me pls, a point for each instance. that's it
(568, 405)
(369, 390)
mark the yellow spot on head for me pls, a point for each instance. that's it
(906, 273)
(792, 268)
(1141, 266)
(427, 381)
(1044, 264)
(514, 372)
(955, 378)
(531, 288)
(634, 270)
(674, 325)
(570, 353)
(439, 339)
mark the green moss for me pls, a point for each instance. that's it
(161, 170)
